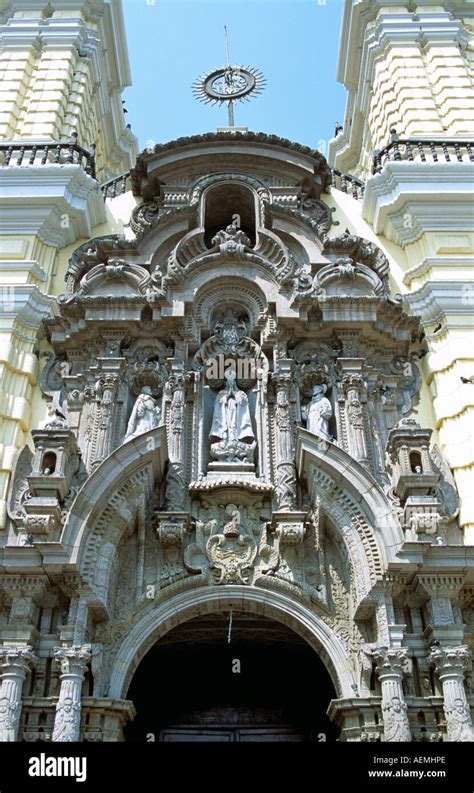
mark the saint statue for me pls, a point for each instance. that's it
(318, 412)
(145, 415)
(232, 438)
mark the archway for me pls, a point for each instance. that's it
(264, 685)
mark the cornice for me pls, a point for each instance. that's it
(23, 267)
(237, 137)
(27, 305)
(434, 197)
(436, 301)
(64, 203)
(455, 261)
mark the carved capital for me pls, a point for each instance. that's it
(73, 660)
(17, 660)
(390, 661)
(290, 533)
(451, 661)
(352, 382)
(441, 586)
(171, 531)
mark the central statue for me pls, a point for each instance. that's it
(232, 437)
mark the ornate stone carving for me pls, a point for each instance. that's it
(452, 664)
(390, 670)
(15, 662)
(73, 662)
(177, 388)
(227, 555)
(135, 314)
(171, 531)
(232, 241)
(232, 437)
(93, 253)
(317, 412)
(229, 349)
(145, 416)
(231, 554)
(144, 217)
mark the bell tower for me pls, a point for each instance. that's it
(63, 67)
(407, 68)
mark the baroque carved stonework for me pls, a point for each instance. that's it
(228, 400)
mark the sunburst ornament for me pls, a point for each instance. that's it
(229, 84)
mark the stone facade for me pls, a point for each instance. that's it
(227, 408)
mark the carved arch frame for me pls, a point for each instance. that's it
(192, 603)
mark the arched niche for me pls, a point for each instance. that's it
(226, 203)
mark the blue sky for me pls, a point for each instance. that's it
(293, 42)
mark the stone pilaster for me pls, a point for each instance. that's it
(390, 665)
(452, 664)
(73, 660)
(177, 385)
(15, 663)
(109, 373)
(353, 387)
(285, 467)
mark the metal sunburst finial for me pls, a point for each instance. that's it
(229, 84)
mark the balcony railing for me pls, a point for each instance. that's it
(42, 153)
(116, 186)
(347, 183)
(423, 150)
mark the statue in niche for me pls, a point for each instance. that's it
(145, 416)
(232, 437)
(318, 412)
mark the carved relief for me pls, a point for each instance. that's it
(233, 340)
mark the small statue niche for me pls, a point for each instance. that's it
(145, 415)
(48, 464)
(415, 463)
(232, 437)
(318, 411)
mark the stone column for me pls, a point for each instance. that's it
(390, 662)
(285, 491)
(451, 664)
(176, 492)
(67, 721)
(15, 663)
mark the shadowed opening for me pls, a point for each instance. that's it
(267, 685)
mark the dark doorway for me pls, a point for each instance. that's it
(266, 685)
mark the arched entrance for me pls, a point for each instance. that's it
(267, 684)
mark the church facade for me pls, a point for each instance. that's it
(237, 387)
